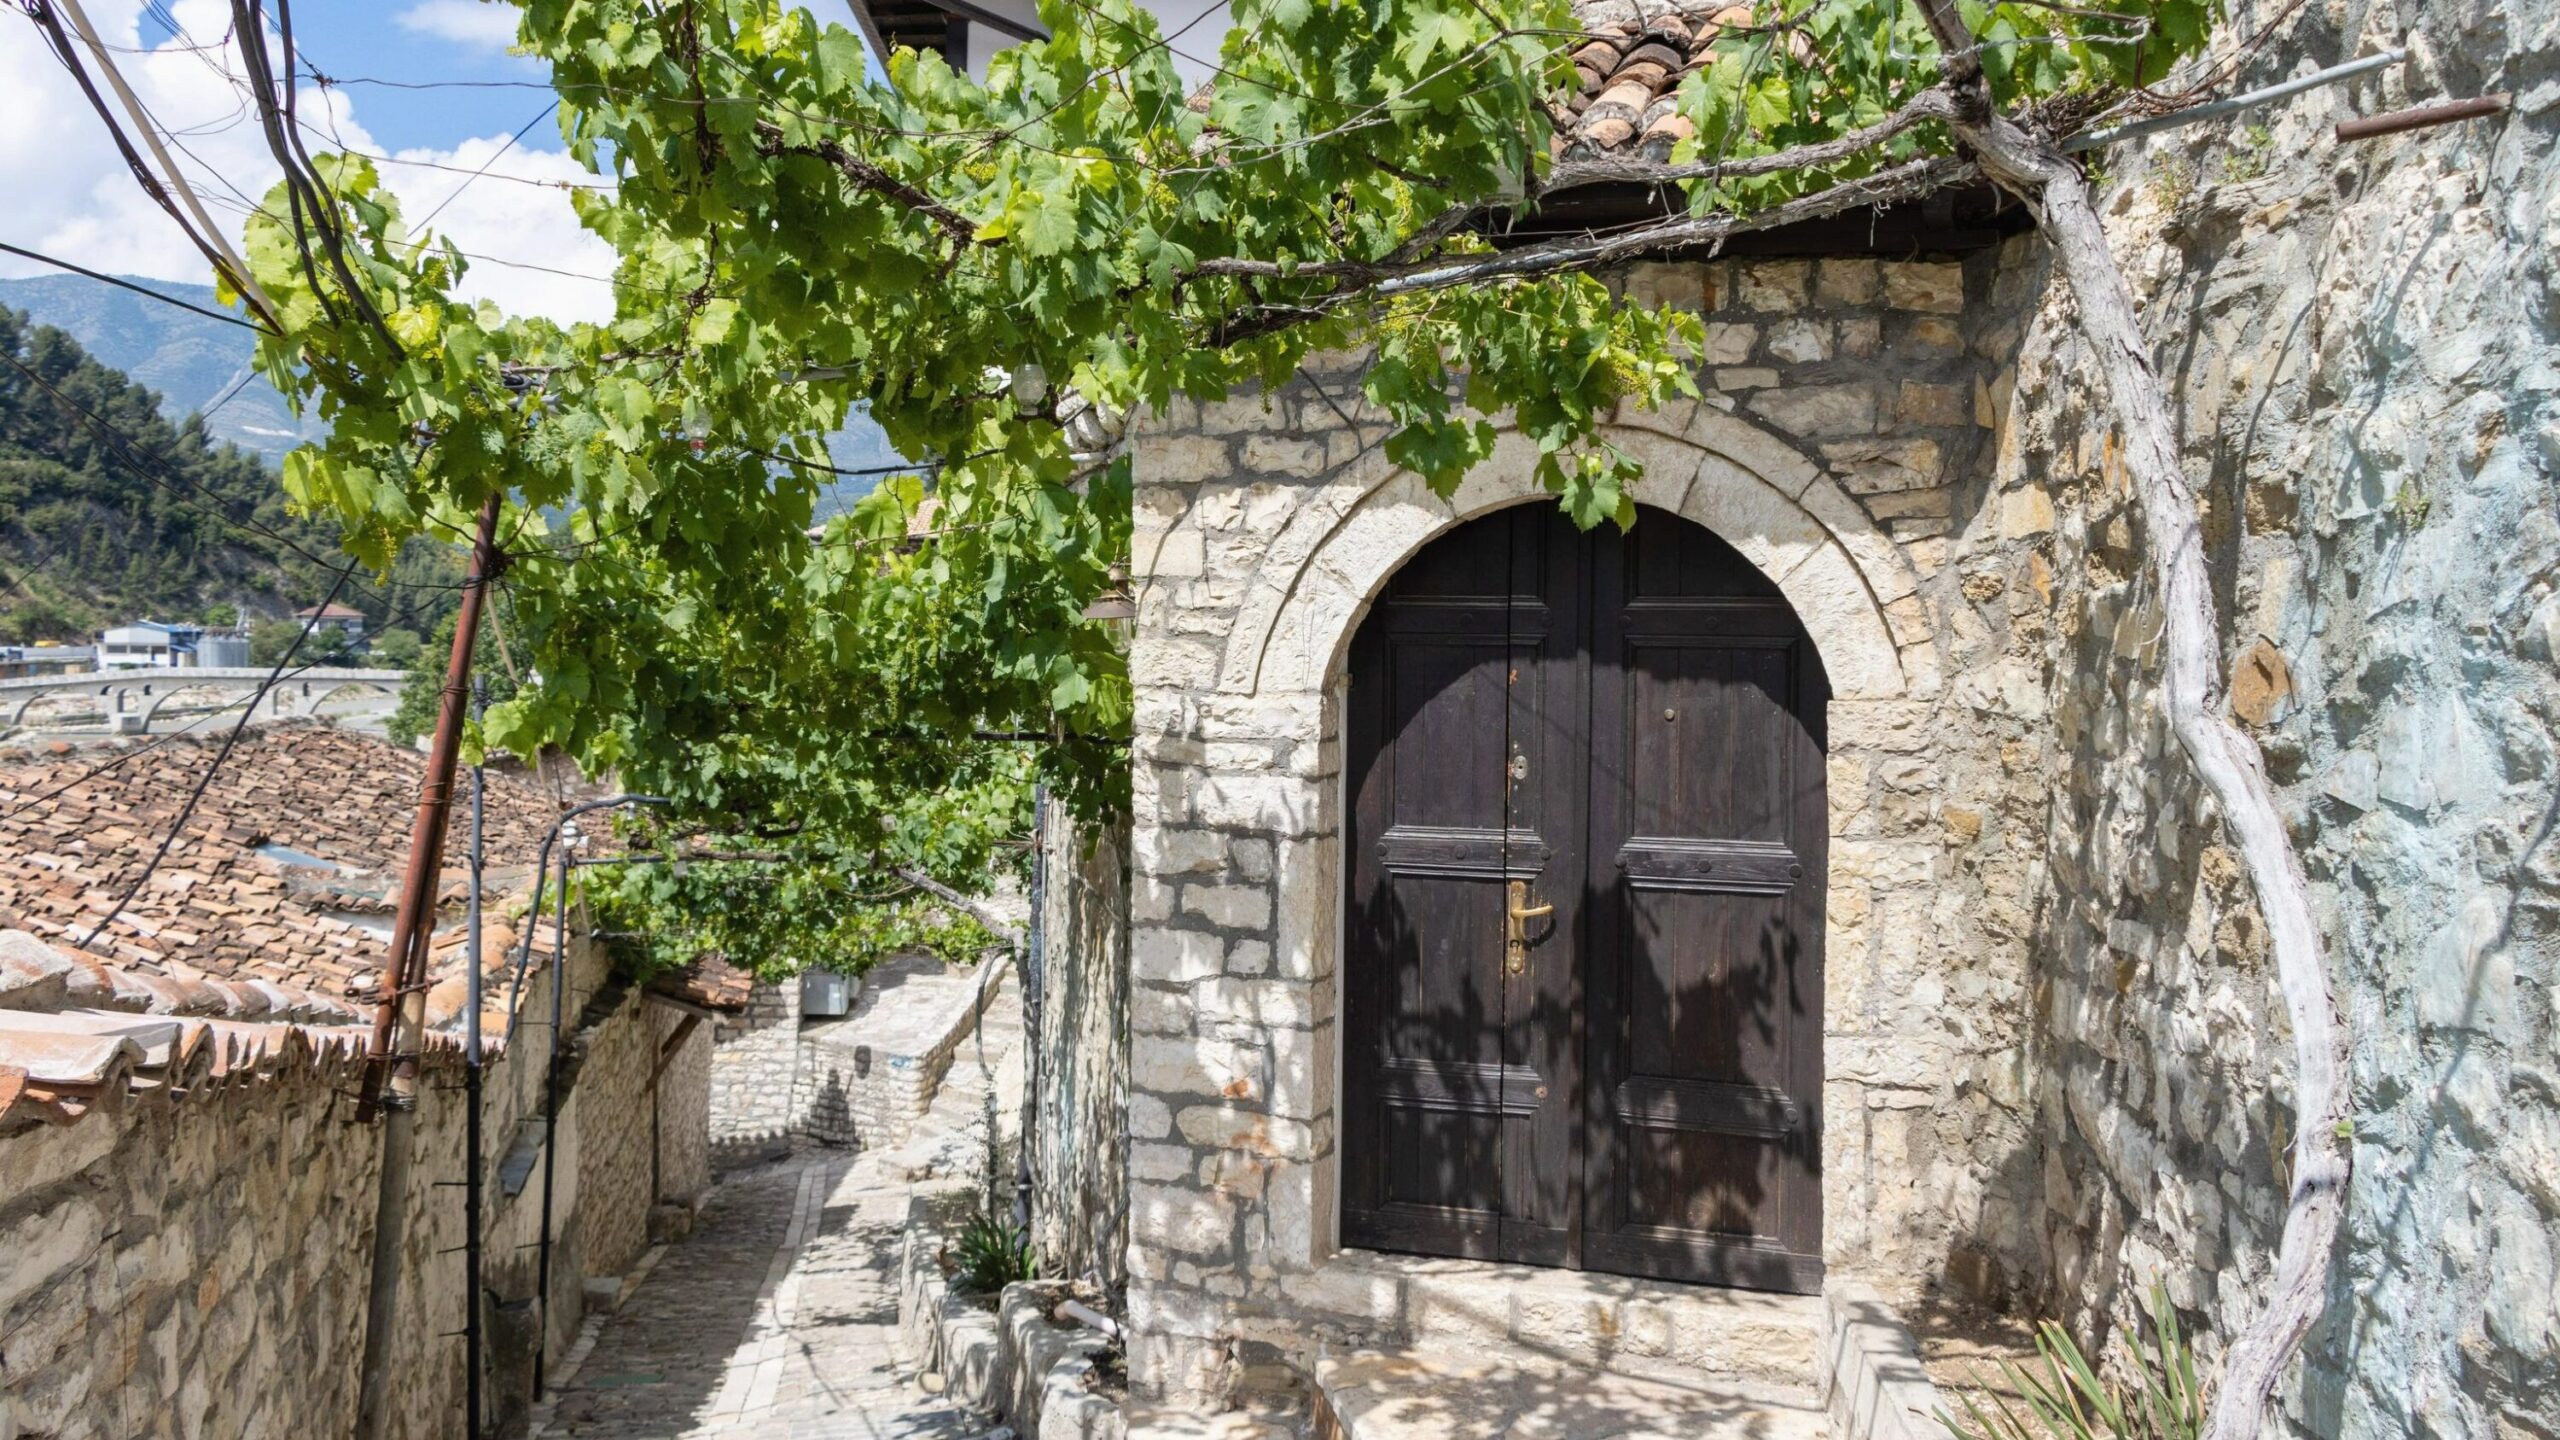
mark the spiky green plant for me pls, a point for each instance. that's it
(2154, 1395)
(988, 1254)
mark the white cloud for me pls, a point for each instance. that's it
(476, 23)
(71, 195)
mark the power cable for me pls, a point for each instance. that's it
(187, 811)
(43, 259)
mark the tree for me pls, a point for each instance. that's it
(270, 639)
(395, 647)
(221, 615)
(989, 266)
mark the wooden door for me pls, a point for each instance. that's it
(1636, 1086)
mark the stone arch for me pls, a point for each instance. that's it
(1784, 513)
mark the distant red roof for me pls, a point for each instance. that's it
(331, 611)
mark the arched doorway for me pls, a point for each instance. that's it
(1618, 739)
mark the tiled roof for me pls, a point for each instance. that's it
(1628, 73)
(285, 874)
(710, 982)
(57, 1068)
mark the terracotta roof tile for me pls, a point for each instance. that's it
(299, 838)
(1628, 74)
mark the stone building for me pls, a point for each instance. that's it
(1896, 953)
(186, 1207)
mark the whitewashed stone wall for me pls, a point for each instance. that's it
(2362, 344)
(198, 1267)
(1844, 447)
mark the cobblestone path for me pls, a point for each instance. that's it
(776, 1319)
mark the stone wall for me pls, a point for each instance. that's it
(754, 1062)
(1845, 446)
(198, 1265)
(2361, 341)
(1080, 1064)
(866, 1078)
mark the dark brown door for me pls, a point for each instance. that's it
(1626, 728)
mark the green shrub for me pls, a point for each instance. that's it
(989, 1254)
(2063, 1398)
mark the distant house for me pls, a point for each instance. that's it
(148, 645)
(18, 662)
(345, 619)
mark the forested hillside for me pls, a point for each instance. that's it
(193, 363)
(160, 523)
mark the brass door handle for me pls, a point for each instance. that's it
(1515, 941)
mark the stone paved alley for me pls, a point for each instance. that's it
(778, 1317)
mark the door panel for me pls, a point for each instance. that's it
(1704, 1037)
(1428, 845)
(1628, 729)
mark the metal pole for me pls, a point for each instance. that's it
(472, 1150)
(551, 1116)
(1034, 992)
(2091, 140)
(399, 1026)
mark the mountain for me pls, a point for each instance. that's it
(193, 362)
(158, 523)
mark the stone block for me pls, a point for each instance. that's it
(1937, 287)
(1182, 1218)
(1191, 1065)
(1657, 284)
(1284, 455)
(1730, 342)
(1229, 1127)
(1800, 341)
(1771, 284)
(1181, 459)
(1165, 956)
(1920, 403)
(1746, 377)
(1873, 467)
(1846, 282)
(1229, 907)
(1819, 410)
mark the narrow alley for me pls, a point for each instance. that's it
(777, 1318)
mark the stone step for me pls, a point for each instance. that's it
(1631, 1326)
(1499, 1393)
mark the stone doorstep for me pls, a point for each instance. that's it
(1438, 1392)
(1646, 1329)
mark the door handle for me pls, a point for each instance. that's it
(1515, 942)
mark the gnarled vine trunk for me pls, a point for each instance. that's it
(2191, 692)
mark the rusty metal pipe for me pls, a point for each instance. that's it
(398, 1027)
(2421, 116)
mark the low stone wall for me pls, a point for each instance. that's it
(754, 1059)
(197, 1264)
(866, 1079)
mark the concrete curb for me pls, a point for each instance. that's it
(1871, 1377)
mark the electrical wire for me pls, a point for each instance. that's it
(43, 259)
(187, 811)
